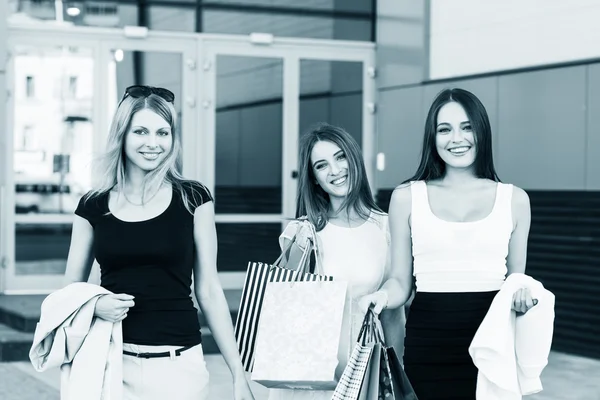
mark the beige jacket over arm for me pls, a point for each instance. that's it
(87, 349)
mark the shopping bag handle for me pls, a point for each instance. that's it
(378, 330)
(285, 251)
(315, 248)
(366, 333)
(304, 264)
(371, 330)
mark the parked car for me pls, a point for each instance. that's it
(45, 195)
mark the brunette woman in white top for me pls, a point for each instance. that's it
(352, 233)
(458, 231)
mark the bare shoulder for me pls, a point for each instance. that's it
(401, 204)
(401, 196)
(520, 199)
(521, 209)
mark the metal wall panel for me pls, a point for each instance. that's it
(564, 254)
(542, 135)
(399, 134)
(592, 178)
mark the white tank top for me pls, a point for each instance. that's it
(460, 256)
(357, 255)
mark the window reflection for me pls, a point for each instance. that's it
(52, 128)
(52, 142)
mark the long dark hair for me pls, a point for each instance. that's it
(432, 166)
(312, 201)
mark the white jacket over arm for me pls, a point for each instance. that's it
(88, 350)
(509, 351)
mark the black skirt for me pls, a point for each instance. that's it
(439, 331)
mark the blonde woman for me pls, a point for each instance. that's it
(150, 230)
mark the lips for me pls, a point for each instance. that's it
(149, 156)
(339, 181)
(459, 150)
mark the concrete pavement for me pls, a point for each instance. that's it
(565, 378)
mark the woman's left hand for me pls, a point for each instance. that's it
(241, 390)
(523, 301)
(379, 300)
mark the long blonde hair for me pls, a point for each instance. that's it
(110, 167)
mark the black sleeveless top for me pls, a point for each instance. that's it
(153, 261)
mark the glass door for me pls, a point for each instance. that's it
(65, 87)
(52, 122)
(243, 101)
(259, 94)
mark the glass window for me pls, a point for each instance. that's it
(365, 6)
(52, 136)
(181, 19)
(331, 91)
(240, 243)
(313, 27)
(106, 14)
(109, 14)
(248, 169)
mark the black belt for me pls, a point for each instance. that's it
(157, 355)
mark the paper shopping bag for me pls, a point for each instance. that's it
(394, 383)
(299, 335)
(355, 378)
(252, 301)
(259, 274)
(371, 386)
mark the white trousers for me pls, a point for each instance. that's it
(183, 377)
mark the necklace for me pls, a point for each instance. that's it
(139, 204)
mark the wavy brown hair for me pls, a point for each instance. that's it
(312, 201)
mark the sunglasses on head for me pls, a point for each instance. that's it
(137, 91)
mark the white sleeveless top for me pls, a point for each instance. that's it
(460, 256)
(357, 255)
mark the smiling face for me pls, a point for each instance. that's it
(148, 141)
(330, 168)
(455, 140)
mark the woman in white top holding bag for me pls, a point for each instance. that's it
(352, 233)
(459, 231)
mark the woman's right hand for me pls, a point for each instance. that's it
(113, 307)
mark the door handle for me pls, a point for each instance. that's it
(294, 174)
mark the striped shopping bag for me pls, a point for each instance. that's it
(259, 274)
(257, 277)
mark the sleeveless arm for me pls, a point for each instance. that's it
(400, 281)
(288, 234)
(383, 223)
(521, 214)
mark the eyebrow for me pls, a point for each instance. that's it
(448, 123)
(144, 128)
(337, 153)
